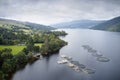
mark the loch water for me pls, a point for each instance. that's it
(107, 43)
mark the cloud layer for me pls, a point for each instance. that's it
(55, 11)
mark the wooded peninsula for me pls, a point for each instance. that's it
(28, 43)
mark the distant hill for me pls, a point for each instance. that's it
(12, 24)
(77, 24)
(110, 25)
(38, 26)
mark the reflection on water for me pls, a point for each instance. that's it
(107, 43)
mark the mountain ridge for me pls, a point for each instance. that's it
(110, 25)
(31, 25)
(77, 24)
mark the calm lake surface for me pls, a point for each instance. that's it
(108, 43)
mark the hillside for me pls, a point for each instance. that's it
(22, 43)
(23, 26)
(77, 24)
(110, 25)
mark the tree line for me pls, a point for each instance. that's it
(9, 63)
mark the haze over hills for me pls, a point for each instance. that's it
(8, 23)
(78, 24)
(110, 25)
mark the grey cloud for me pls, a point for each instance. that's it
(54, 11)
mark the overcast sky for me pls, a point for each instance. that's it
(56, 11)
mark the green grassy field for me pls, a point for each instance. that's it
(16, 48)
(38, 44)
